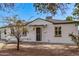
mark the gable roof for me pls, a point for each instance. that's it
(54, 21)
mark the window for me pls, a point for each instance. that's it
(5, 31)
(12, 31)
(57, 31)
(24, 33)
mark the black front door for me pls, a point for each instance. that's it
(38, 34)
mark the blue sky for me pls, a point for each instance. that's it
(27, 12)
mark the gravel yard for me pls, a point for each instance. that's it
(38, 50)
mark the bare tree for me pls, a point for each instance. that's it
(18, 28)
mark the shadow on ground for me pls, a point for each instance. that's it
(39, 50)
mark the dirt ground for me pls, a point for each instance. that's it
(38, 50)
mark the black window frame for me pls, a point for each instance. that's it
(58, 32)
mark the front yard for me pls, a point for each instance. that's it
(38, 50)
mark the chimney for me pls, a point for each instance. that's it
(49, 18)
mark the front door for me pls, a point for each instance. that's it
(38, 34)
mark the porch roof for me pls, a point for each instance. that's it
(39, 25)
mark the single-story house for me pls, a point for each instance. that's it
(45, 30)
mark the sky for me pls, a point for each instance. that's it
(26, 11)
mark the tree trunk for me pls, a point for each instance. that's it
(17, 43)
(77, 45)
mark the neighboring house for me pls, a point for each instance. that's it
(45, 30)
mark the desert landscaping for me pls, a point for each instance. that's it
(29, 49)
(39, 29)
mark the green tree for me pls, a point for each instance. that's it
(52, 8)
(69, 18)
(75, 39)
(6, 6)
(76, 11)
